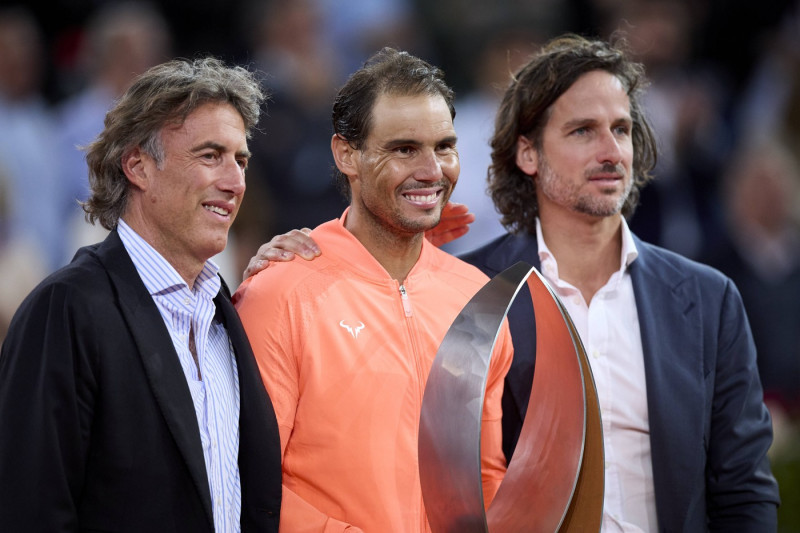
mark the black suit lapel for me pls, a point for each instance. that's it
(259, 440)
(159, 358)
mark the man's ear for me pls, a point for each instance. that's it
(344, 155)
(527, 156)
(134, 165)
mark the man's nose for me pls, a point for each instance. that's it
(610, 150)
(233, 177)
(429, 167)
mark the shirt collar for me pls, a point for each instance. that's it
(158, 275)
(627, 256)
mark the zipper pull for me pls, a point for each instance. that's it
(405, 300)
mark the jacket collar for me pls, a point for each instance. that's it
(352, 254)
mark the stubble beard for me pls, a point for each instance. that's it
(563, 193)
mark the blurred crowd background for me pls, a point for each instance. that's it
(724, 100)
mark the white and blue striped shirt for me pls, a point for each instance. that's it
(216, 395)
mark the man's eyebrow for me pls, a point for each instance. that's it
(219, 148)
(394, 143)
(578, 122)
(628, 121)
(208, 144)
(583, 122)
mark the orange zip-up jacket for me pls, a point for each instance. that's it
(344, 351)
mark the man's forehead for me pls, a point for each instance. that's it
(591, 92)
(393, 100)
(419, 112)
(588, 83)
(209, 115)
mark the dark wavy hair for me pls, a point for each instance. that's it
(388, 71)
(526, 107)
(165, 94)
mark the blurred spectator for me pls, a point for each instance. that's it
(289, 180)
(685, 105)
(766, 102)
(30, 231)
(22, 265)
(761, 253)
(358, 28)
(121, 41)
(503, 51)
(456, 25)
(26, 138)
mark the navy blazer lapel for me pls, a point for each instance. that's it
(159, 358)
(669, 320)
(512, 249)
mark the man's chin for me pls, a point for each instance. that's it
(599, 208)
(216, 247)
(423, 224)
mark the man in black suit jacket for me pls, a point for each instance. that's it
(108, 413)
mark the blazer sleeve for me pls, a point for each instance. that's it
(47, 389)
(742, 493)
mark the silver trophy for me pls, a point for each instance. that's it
(554, 480)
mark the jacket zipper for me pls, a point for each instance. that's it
(408, 313)
(405, 300)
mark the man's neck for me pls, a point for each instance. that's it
(187, 268)
(587, 249)
(397, 253)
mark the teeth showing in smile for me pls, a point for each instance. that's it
(217, 210)
(422, 199)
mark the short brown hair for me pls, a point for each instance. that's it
(165, 94)
(388, 71)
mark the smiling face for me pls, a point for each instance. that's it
(185, 206)
(408, 167)
(585, 161)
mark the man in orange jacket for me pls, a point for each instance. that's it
(345, 343)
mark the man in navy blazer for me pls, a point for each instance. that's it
(686, 432)
(130, 399)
